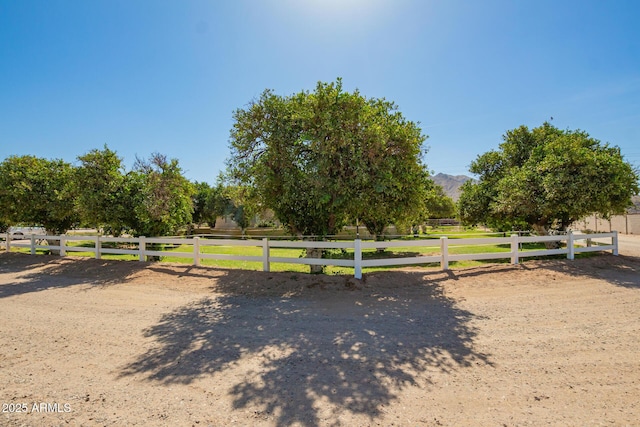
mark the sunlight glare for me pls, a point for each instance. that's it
(339, 11)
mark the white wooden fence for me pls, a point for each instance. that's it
(573, 244)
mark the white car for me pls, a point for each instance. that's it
(18, 233)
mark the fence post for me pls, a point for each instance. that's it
(141, 247)
(266, 266)
(515, 256)
(98, 248)
(444, 250)
(614, 241)
(8, 242)
(63, 245)
(571, 254)
(196, 251)
(357, 259)
(33, 244)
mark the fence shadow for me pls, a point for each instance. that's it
(316, 339)
(621, 270)
(42, 272)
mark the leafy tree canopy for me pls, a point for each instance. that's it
(37, 191)
(240, 206)
(438, 204)
(154, 199)
(209, 203)
(100, 187)
(547, 178)
(323, 158)
(161, 196)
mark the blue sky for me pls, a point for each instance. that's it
(165, 76)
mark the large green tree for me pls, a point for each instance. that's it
(160, 195)
(153, 199)
(209, 202)
(320, 159)
(390, 182)
(439, 204)
(546, 178)
(102, 196)
(241, 207)
(37, 191)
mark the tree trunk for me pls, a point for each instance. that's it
(52, 242)
(377, 232)
(154, 247)
(541, 230)
(315, 253)
(379, 238)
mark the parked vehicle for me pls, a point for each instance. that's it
(18, 233)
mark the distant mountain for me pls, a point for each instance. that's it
(451, 183)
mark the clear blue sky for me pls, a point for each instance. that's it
(165, 76)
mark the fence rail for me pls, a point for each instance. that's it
(148, 246)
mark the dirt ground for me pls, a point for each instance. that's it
(111, 343)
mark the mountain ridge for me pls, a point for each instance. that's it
(451, 183)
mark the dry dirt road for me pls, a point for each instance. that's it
(629, 244)
(97, 343)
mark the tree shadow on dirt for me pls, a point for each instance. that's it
(618, 270)
(325, 339)
(36, 273)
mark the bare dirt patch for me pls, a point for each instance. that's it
(126, 343)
